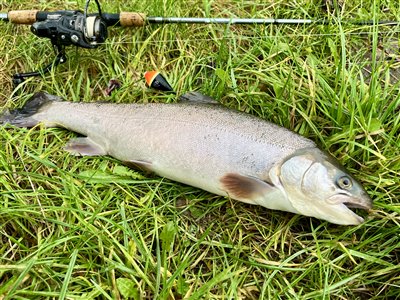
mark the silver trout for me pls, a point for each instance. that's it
(205, 145)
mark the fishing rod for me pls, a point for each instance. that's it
(74, 27)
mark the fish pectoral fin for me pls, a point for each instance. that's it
(84, 146)
(252, 190)
(139, 164)
(245, 188)
(197, 98)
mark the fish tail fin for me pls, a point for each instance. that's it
(24, 117)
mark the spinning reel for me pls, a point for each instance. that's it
(65, 28)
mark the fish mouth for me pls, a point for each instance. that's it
(346, 206)
(363, 206)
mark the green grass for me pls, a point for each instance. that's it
(85, 228)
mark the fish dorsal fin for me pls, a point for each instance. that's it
(197, 98)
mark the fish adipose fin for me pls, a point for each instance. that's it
(23, 117)
(84, 146)
(197, 98)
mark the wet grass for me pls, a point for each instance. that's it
(85, 228)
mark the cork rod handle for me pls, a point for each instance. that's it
(128, 19)
(26, 17)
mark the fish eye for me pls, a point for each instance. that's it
(344, 183)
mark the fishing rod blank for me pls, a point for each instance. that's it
(133, 19)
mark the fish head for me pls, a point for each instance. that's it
(316, 185)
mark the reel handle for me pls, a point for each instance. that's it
(124, 19)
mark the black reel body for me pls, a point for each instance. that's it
(65, 28)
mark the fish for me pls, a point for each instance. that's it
(200, 142)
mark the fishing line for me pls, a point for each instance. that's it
(241, 37)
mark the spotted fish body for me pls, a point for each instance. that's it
(195, 142)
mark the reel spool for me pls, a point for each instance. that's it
(95, 29)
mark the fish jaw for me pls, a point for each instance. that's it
(341, 214)
(337, 208)
(336, 213)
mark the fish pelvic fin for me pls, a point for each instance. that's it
(24, 117)
(84, 146)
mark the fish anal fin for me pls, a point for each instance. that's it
(84, 146)
(245, 188)
(197, 98)
(139, 164)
